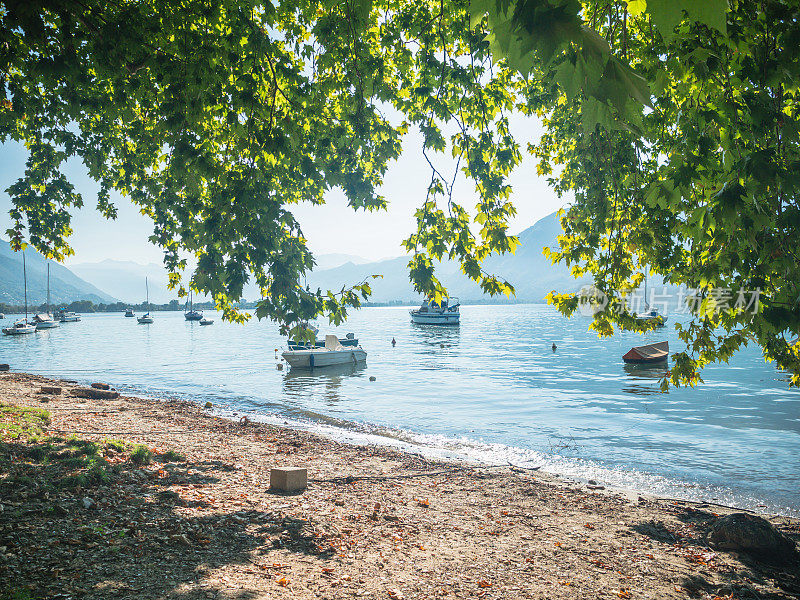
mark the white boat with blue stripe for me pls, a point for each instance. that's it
(333, 353)
(433, 313)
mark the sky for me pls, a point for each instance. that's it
(330, 228)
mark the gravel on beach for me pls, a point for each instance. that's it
(191, 516)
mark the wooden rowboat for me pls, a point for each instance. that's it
(651, 353)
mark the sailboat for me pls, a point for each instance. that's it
(650, 314)
(45, 320)
(22, 326)
(146, 319)
(191, 314)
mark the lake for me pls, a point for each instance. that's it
(491, 390)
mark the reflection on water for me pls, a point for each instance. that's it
(491, 388)
(324, 382)
(641, 378)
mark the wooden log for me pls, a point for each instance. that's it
(95, 394)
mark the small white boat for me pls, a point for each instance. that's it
(431, 313)
(145, 319)
(206, 321)
(69, 317)
(332, 354)
(2, 316)
(21, 327)
(45, 321)
(652, 316)
(129, 312)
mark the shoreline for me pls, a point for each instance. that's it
(357, 434)
(374, 522)
(337, 430)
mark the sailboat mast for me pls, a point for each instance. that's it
(147, 291)
(47, 308)
(25, 281)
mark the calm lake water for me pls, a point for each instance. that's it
(490, 390)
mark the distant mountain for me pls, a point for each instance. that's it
(126, 280)
(65, 286)
(533, 275)
(331, 261)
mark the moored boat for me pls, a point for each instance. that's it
(145, 319)
(69, 317)
(350, 340)
(45, 320)
(129, 312)
(648, 354)
(333, 353)
(21, 327)
(191, 314)
(205, 321)
(433, 313)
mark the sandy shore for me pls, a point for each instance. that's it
(373, 523)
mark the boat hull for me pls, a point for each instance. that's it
(74, 319)
(193, 316)
(47, 325)
(19, 330)
(312, 359)
(647, 355)
(435, 319)
(144, 320)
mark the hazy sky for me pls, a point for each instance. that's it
(331, 228)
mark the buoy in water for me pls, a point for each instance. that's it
(279, 366)
(372, 377)
(554, 347)
(394, 343)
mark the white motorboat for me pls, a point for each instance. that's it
(2, 316)
(206, 321)
(129, 312)
(145, 319)
(332, 354)
(45, 321)
(69, 317)
(21, 327)
(433, 313)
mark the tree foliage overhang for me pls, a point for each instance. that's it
(674, 122)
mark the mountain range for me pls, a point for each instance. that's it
(532, 275)
(65, 286)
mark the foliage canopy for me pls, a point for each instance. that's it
(674, 122)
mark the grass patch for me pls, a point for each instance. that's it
(141, 455)
(116, 445)
(172, 456)
(22, 423)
